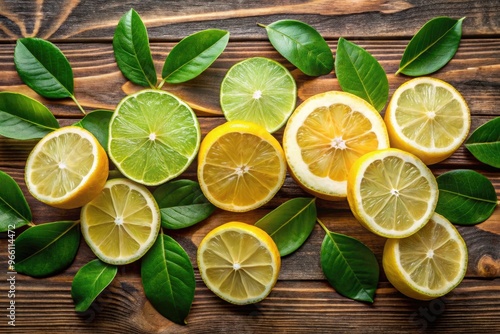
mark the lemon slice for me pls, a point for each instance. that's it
(153, 137)
(239, 262)
(391, 192)
(121, 223)
(325, 135)
(428, 264)
(241, 166)
(67, 168)
(427, 117)
(258, 90)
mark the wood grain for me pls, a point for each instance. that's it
(302, 300)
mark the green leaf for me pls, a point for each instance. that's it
(43, 67)
(168, 279)
(484, 143)
(97, 122)
(290, 224)
(465, 197)
(47, 249)
(349, 266)
(182, 204)
(359, 73)
(432, 47)
(132, 52)
(194, 54)
(14, 210)
(301, 45)
(90, 281)
(22, 117)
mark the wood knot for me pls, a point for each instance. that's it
(488, 266)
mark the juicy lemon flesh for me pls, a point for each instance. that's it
(66, 160)
(394, 193)
(430, 115)
(332, 138)
(240, 172)
(119, 221)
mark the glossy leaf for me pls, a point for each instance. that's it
(432, 47)
(90, 281)
(47, 249)
(43, 67)
(14, 210)
(182, 204)
(484, 143)
(22, 117)
(132, 51)
(301, 45)
(465, 197)
(290, 224)
(359, 73)
(97, 122)
(168, 279)
(194, 54)
(349, 266)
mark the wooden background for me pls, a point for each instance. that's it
(302, 300)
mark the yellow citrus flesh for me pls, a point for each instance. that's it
(241, 166)
(427, 117)
(122, 222)
(428, 264)
(239, 262)
(67, 168)
(325, 135)
(391, 192)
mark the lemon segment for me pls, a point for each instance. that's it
(121, 223)
(67, 168)
(239, 262)
(391, 192)
(428, 264)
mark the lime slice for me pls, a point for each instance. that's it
(258, 90)
(153, 137)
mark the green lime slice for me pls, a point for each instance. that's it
(258, 90)
(153, 137)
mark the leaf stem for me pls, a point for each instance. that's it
(31, 224)
(78, 104)
(322, 225)
(262, 25)
(160, 85)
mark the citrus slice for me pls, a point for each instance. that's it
(240, 263)
(258, 90)
(427, 117)
(121, 223)
(325, 135)
(153, 137)
(67, 168)
(391, 192)
(241, 166)
(428, 264)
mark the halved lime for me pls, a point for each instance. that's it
(258, 90)
(153, 137)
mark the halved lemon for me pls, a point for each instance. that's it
(428, 264)
(429, 118)
(241, 166)
(325, 135)
(239, 262)
(67, 168)
(122, 222)
(391, 192)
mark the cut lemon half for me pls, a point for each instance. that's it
(391, 192)
(258, 90)
(240, 263)
(67, 168)
(153, 137)
(428, 264)
(121, 223)
(325, 135)
(241, 166)
(427, 117)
